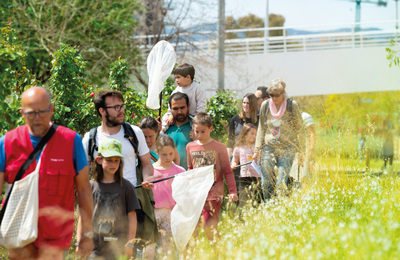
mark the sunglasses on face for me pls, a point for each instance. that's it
(275, 95)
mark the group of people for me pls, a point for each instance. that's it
(271, 131)
(117, 218)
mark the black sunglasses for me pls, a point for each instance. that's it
(275, 95)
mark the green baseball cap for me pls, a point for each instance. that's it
(110, 148)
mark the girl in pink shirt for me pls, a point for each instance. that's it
(165, 148)
(249, 181)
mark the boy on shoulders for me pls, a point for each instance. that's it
(184, 75)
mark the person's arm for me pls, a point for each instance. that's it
(236, 160)
(85, 142)
(228, 174)
(301, 131)
(1, 182)
(189, 158)
(170, 120)
(147, 171)
(2, 163)
(131, 233)
(201, 99)
(177, 159)
(85, 202)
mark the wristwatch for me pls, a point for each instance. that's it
(88, 234)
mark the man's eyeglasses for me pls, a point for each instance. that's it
(117, 107)
(275, 95)
(40, 113)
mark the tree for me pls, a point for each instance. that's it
(276, 20)
(103, 31)
(252, 21)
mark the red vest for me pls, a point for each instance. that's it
(56, 182)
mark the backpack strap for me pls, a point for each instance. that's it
(267, 107)
(92, 146)
(153, 157)
(131, 136)
(289, 105)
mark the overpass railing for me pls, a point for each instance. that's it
(282, 39)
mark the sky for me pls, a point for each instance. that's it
(297, 13)
(312, 12)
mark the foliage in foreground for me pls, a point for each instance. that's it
(336, 217)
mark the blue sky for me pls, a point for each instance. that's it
(296, 12)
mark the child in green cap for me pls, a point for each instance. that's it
(115, 205)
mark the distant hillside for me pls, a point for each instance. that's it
(199, 32)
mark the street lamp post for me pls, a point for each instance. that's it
(397, 20)
(221, 44)
(266, 26)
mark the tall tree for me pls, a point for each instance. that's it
(103, 31)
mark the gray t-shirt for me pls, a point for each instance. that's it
(112, 203)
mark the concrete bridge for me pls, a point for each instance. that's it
(316, 62)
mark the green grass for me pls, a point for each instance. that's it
(336, 216)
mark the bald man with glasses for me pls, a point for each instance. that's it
(61, 171)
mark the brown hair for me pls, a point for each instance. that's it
(100, 98)
(184, 70)
(202, 118)
(99, 173)
(253, 107)
(242, 140)
(164, 140)
(149, 123)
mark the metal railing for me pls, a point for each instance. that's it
(309, 38)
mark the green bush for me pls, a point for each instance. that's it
(14, 78)
(222, 107)
(71, 93)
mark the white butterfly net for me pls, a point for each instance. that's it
(160, 64)
(189, 190)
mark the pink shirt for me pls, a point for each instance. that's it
(162, 191)
(243, 153)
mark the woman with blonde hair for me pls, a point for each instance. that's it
(278, 138)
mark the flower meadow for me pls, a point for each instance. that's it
(337, 216)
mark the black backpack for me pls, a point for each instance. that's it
(128, 134)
